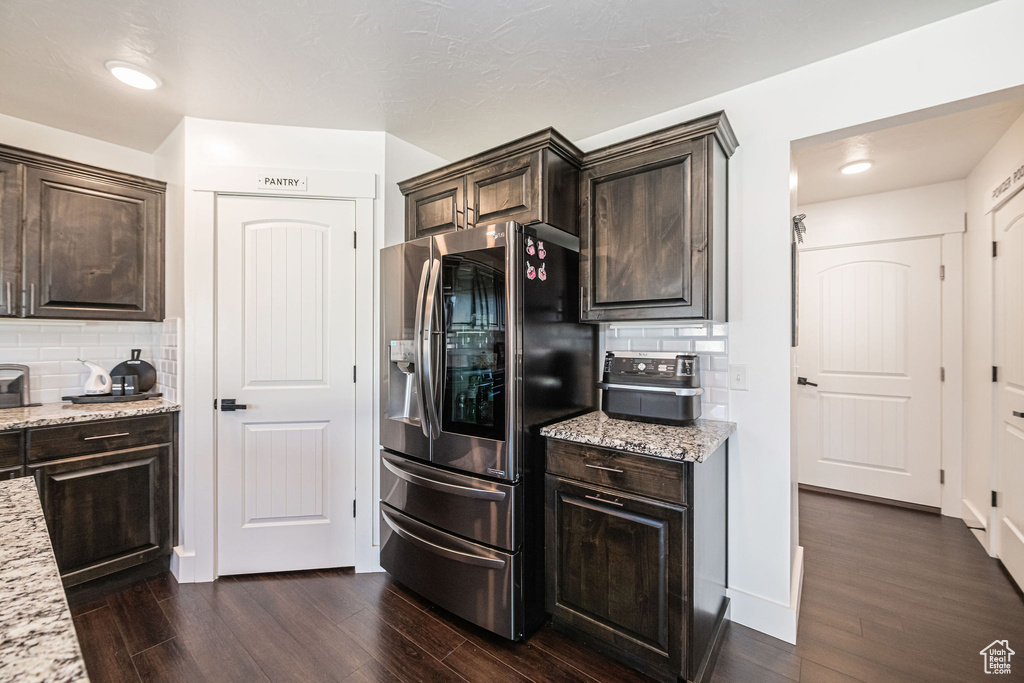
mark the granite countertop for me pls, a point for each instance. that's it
(37, 636)
(49, 414)
(692, 443)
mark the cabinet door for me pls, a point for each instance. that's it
(93, 249)
(10, 238)
(508, 190)
(616, 568)
(438, 208)
(644, 245)
(107, 512)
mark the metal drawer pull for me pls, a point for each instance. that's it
(599, 499)
(606, 469)
(1017, 413)
(105, 436)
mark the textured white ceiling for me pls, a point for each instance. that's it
(453, 76)
(933, 150)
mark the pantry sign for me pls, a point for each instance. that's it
(1006, 188)
(282, 183)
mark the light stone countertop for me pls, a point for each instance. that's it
(37, 636)
(691, 443)
(49, 414)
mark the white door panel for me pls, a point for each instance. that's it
(285, 346)
(870, 320)
(1009, 358)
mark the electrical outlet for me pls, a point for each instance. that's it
(738, 377)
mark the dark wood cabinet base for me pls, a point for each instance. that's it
(704, 672)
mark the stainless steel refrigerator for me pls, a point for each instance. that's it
(482, 347)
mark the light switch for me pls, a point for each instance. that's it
(738, 377)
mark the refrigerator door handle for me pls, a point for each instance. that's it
(418, 348)
(426, 343)
(456, 555)
(444, 487)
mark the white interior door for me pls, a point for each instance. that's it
(286, 349)
(1009, 358)
(870, 337)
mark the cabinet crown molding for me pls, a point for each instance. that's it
(548, 138)
(51, 163)
(716, 124)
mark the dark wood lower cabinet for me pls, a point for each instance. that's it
(620, 565)
(107, 512)
(108, 490)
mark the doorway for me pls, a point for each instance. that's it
(869, 416)
(286, 340)
(891, 280)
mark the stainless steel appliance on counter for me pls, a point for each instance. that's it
(483, 346)
(658, 387)
(15, 391)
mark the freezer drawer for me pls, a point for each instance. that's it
(479, 584)
(478, 509)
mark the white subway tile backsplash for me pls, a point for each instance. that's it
(693, 332)
(51, 350)
(720, 363)
(19, 355)
(644, 345)
(677, 345)
(707, 346)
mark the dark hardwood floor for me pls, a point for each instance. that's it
(889, 595)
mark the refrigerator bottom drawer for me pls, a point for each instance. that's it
(482, 585)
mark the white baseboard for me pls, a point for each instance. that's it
(971, 515)
(183, 565)
(775, 619)
(368, 560)
(1011, 550)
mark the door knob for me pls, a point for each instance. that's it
(803, 381)
(228, 405)
(1017, 413)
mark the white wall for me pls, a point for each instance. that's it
(169, 165)
(978, 342)
(965, 56)
(902, 214)
(402, 161)
(60, 143)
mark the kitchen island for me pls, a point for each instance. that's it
(635, 540)
(38, 637)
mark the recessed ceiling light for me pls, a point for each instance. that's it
(135, 76)
(856, 167)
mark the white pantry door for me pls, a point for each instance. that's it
(870, 337)
(285, 349)
(1009, 358)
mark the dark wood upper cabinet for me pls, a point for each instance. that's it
(437, 208)
(10, 237)
(90, 241)
(531, 180)
(653, 225)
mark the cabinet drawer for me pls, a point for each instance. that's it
(10, 448)
(640, 474)
(84, 438)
